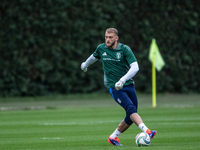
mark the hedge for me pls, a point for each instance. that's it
(43, 43)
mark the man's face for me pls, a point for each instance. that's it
(110, 39)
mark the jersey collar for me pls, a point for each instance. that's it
(117, 48)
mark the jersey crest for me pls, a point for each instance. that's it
(118, 55)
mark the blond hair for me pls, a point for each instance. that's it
(112, 30)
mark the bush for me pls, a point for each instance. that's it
(44, 42)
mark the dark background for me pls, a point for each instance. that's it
(44, 42)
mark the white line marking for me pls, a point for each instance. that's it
(180, 123)
(47, 138)
(176, 121)
(79, 123)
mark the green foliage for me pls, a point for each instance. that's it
(44, 42)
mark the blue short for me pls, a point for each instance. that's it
(127, 98)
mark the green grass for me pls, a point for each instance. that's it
(84, 122)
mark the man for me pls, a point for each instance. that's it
(119, 65)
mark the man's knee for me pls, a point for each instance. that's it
(129, 111)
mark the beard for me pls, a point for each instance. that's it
(111, 45)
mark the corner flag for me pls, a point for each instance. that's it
(157, 62)
(155, 56)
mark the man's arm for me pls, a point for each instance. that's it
(132, 71)
(88, 62)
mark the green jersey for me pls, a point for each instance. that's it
(116, 62)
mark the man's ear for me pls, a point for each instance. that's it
(117, 38)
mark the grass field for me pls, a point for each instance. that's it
(84, 122)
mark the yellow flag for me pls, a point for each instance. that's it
(155, 56)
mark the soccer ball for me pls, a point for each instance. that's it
(142, 139)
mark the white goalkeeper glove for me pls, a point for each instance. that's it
(119, 85)
(83, 67)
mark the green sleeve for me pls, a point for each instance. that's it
(130, 57)
(96, 52)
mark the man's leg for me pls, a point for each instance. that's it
(138, 121)
(123, 100)
(120, 129)
(135, 117)
(113, 139)
(123, 126)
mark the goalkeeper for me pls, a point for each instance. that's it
(119, 65)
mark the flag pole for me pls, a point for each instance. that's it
(153, 83)
(157, 64)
